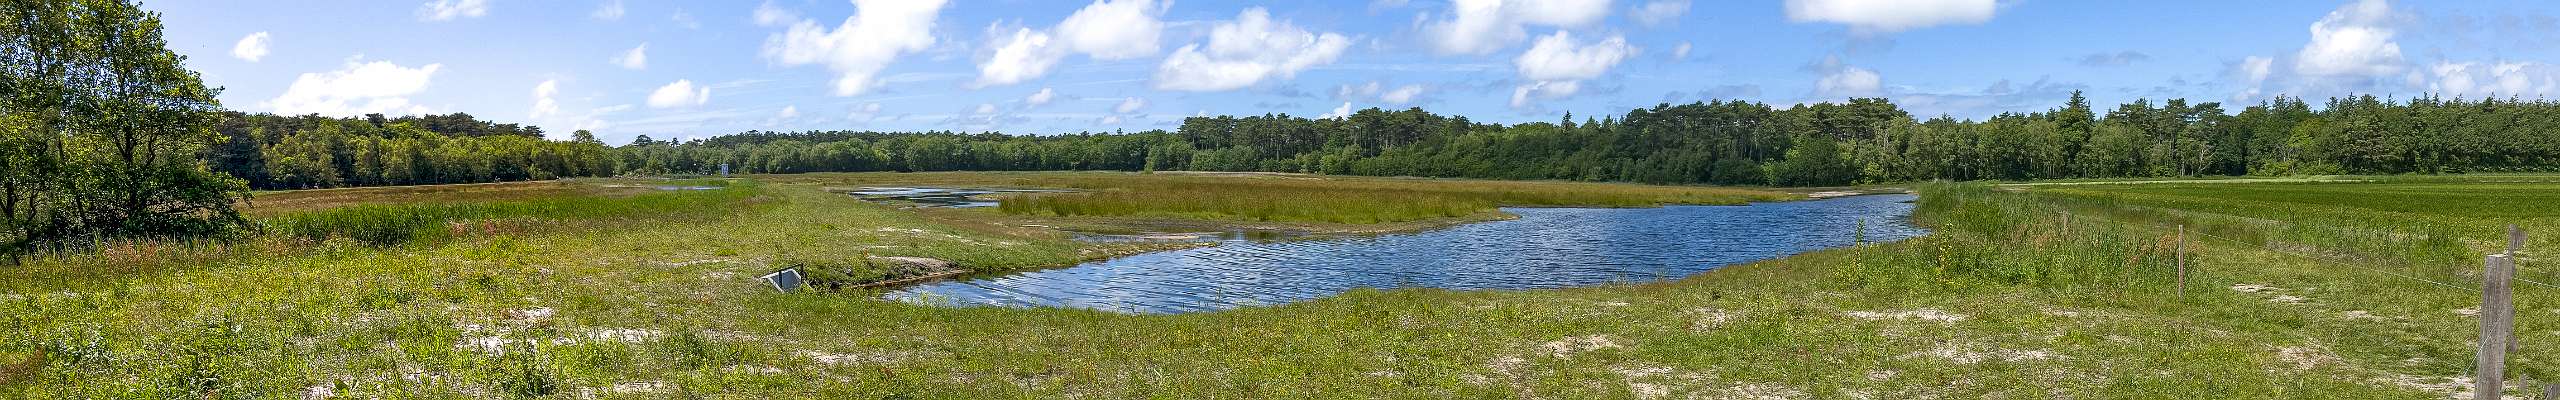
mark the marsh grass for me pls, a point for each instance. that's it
(401, 223)
(2003, 300)
(1293, 197)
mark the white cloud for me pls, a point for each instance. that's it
(447, 10)
(1024, 55)
(1849, 81)
(2257, 68)
(2504, 79)
(679, 94)
(1040, 98)
(1521, 96)
(1338, 112)
(1104, 30)
(1680, 52)
(1246, 51)
(636, 58)
(985, 108)
(788, 112)
(856, 50)
(768, 14)
(1889, 16)
(359, 88)
(1557, 65)
(1401, 95)
(251, 48)
(1657, 12)
(2354, 40)
(1115, 29)
(1130, 105)
(543, 104)
(1483, 26)
(611, 10)
(1110, 120)
(1558, 58)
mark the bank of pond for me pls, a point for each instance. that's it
(1542, 248)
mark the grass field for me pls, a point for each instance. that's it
(2324, 290)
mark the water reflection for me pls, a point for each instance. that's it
(1544, 248)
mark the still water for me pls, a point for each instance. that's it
(1544, 248)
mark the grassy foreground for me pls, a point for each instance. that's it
(2010, 298)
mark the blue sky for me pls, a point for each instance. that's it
(678, 69)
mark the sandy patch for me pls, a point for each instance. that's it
(1761, 391)
(2304, 357)
(2467, 311)
(2254, 288)
(624, 335)
(1569, 346)
(1710, 318)
(858, 358)
(1925, 314)
(1966, 355)
(2360, 315)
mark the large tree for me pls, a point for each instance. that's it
(103, 130)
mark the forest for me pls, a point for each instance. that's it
(1866, 140)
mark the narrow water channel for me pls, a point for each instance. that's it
(1544, 248)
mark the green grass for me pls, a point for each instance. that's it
(400, 223)
(2005, 300)
(1262, 197)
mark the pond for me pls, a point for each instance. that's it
(1544, 248)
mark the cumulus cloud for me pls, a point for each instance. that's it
(1401, 95)
(1022, 56)
(1842, 80)
(1483, 26)
(1657, 12)
(1130, 105)
(611, 10)
(768, 14)
(1889, 16)
(1246, 51)
(788, 112)
(1557, 64)
(856, 50)
(543, 104)
(1115, 30)
(250, 48)
(636, 58)
(2503, 79)
(447, 10)
(985, 109)
(1041, 97)
(1104, 30)
(2354, 40)
(1338, 112)
(1680, 52)
(679, 94)
(2256, 68)
(357, 89)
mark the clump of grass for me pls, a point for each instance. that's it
(1296, 198)
(1252, 203)
(394, 224)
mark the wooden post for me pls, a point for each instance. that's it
(2515, 245)
(2182, 262)
(2497, 324)
(2551, 391)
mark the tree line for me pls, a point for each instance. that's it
(1866, 140)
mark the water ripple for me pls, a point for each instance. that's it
(1544, 248)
